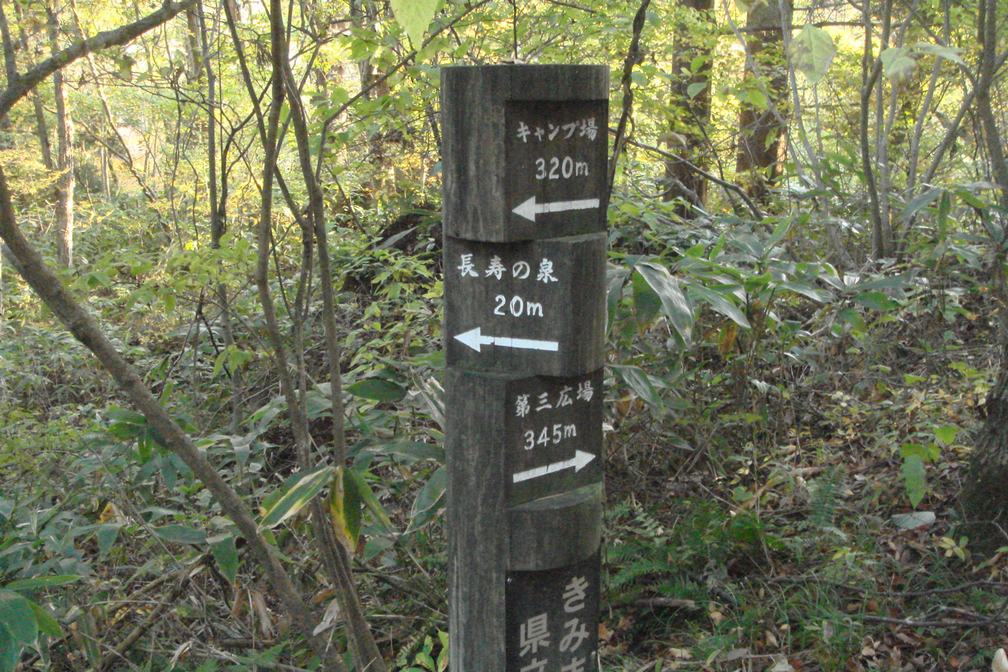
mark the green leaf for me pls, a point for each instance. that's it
(345, 509)
(640, 383)
(897, 63)
(946, 434)
(429, 500)
(355, 479)
(812, 52)
(424, 658)
(922, 200)
(646, 301)
(694, 89)
(181, 534)
(929, 453)
(17, 617)
(225, 553)
(914, 479)
(106, 536)
(378, 389)
(38, 582)
(950, 53)
(720, 304)
(876, 301)
(47, 624)
(746, 6)
(911, 521)
(10, 651)
(615, 279)
(674, 304)
(296, 498)
(415, 16)
(808, 291)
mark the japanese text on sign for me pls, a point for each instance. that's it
(583, 128)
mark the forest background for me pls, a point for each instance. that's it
(220, 344)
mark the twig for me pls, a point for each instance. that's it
(156, 614)
(633, 55)
(667, 603)
(724, 184)
(940, 623)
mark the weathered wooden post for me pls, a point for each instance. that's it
(524, 257)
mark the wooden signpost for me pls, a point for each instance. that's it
(524, 258)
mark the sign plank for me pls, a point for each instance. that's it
(536, 307)
(491, 165)
(552, 619)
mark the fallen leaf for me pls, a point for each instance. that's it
(1000, 662)
(781, 665)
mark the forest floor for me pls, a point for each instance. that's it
(760, 521)
(789, 543)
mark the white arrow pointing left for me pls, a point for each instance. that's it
(475, 339)
(529, 208)
(578, 462)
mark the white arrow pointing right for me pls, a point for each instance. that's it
(578, 462)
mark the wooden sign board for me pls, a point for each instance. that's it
(552, 619)
(492, 167)
(536, 307)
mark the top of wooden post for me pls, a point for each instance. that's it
(525, 150)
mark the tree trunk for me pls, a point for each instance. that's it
(762, 132)
(64, 155)
(194, 56)
(690, 114)
(41, 127)
(985, 495)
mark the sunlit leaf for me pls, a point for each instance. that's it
(812, 52)
(953, 54)
(415, 16)
(695, 89)
(946, 434)
(897, 63)
(296, 498)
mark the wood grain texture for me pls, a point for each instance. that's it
(477, 521)
(474, 109)
(556, 531)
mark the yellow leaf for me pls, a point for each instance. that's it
(342, 524)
